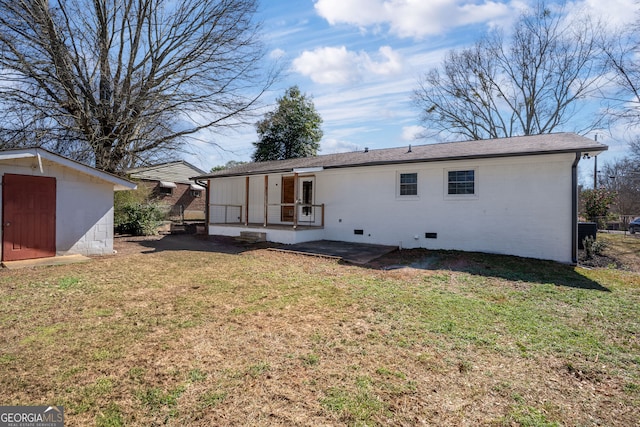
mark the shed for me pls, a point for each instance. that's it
(53, 206)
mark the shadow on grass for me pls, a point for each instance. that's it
(196, 243)
(499, 266)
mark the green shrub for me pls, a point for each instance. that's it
(138, 219)
(596, 204)
(593, 247)
(133, 213)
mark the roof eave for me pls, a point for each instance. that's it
(591, 150)
(119, 184)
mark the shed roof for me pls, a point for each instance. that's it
(119, 184)
(502, 147)
(176, 171)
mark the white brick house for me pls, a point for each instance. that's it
(515, 196)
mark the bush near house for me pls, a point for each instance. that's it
(134, 214)
(596, 204)
(139, 219)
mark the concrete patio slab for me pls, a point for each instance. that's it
(355, 253)
(38, 262)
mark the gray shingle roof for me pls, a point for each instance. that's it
(178, 171)
(503, 147)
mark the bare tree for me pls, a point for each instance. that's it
(112, 82)
(622, 178)
(622, 57)
(530, 83)
(634, 150)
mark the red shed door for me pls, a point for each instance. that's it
(28, 217)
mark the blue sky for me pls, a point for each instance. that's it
(360, 60)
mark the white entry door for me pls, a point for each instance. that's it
(306, 196)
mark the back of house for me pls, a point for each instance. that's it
(515, 196)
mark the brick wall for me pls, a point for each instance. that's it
(193, 207)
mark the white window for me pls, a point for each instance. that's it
(407, 184)
(461, 183)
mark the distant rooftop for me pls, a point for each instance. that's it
(503, 147)
(178, 171)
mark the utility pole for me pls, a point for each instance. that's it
(595, 169)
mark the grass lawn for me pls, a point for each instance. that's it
(266, 338)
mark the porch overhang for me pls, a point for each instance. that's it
(307, 170)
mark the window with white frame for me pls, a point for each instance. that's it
(461, 182)
(408, 184)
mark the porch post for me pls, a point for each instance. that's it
(246, 201)
(295, 200)
(266, 199)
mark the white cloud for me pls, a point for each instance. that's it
(411, 133)
(356, 12)
(613, 12)
(391, 64)
(328, 65)
(333, 145)
(277, 54)
(411, 18)
(337, 65)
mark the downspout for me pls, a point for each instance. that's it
(266, 200)
(295, 200)
(206, 204)
(574, 209)
(246, 201)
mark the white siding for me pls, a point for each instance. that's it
(256, 199)
(229, 194)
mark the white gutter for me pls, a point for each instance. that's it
(308, 170)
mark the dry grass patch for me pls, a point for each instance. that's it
(267, 338)
(624, 248)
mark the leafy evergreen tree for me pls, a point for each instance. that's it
(292, 130)
(230, 164)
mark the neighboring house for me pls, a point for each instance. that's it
(515, 196)
(170, 186)
(53, 206)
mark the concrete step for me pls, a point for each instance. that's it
(57, 260)
(252, 236)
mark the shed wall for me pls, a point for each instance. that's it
(84, 207)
